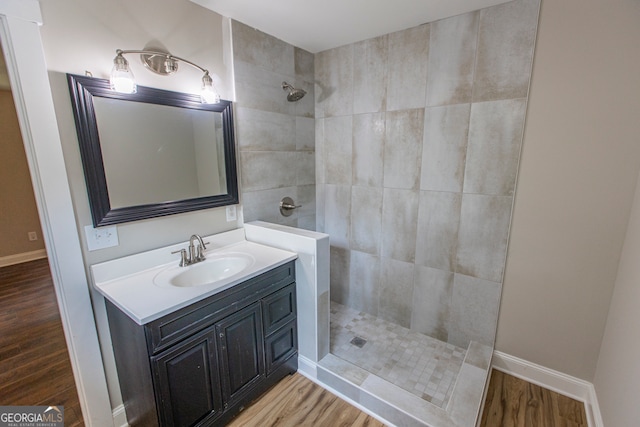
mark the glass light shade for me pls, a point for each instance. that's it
(123, 83)
(208, 94)
(122, 79)
(170, 65)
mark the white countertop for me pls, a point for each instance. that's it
(129, 282)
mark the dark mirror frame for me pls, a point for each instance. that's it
(82, 90)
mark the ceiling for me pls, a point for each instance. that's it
(320, 25)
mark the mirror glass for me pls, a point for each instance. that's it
(175, 155)
(152, 153)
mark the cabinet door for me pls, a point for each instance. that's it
(241, 352)
(188, 382)
(281, 345)
(279, 309)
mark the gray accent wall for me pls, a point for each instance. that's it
(275, 138)
(418, 136)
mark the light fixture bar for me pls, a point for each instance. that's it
(122, 78)
(162, 54)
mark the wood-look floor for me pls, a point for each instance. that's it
(34, 362)
(297, 401)
(512, 402)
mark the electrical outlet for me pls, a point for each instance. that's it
(100, 238)
(33, 236)
(231, 213)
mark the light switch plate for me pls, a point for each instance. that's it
(232, 214)
(100, 238)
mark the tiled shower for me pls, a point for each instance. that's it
(417, 156)
(276, 138)
(413, 141)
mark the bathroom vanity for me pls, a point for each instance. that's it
(200, 360)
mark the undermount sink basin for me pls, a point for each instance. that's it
(205, 272)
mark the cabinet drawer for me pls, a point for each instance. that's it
(176, 326)
(281, 345)
(279, 308)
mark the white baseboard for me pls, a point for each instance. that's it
(307, 367)
(553, 380)
(120, 417)
(23, 257)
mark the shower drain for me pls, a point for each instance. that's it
(358, 342)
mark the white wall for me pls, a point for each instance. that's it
(576, 183)
(79, 35)
(617, 379)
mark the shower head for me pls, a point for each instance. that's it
(294, 94)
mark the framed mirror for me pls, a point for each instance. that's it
(152, 153)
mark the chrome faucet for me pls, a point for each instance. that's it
(196, 254)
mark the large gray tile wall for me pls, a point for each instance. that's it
(418, 137)
(276, 138)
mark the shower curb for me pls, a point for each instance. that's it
(396, 406)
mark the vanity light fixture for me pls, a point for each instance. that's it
(159, 62)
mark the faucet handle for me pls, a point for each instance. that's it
(183, 257)
(199, 255)
(200, 252)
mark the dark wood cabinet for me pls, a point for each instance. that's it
(201, 365)
(241, 352)
(279, 317)
(187, 381)
(280, 346)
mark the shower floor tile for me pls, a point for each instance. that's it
(421, 365)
